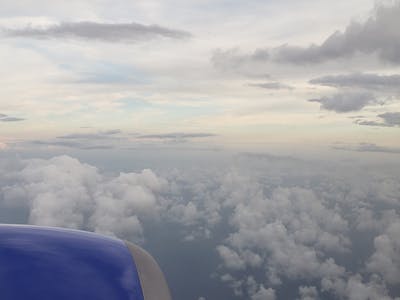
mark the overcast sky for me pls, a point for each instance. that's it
(253, 147)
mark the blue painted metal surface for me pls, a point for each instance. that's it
(49, 264)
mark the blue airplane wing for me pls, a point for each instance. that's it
(51, 263)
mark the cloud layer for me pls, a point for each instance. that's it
(115, 139)
(274, 222)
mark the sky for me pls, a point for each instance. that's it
(253, 147)
(255, 73)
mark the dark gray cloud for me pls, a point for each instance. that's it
(368, 147)
(272, 86)
(360, 80)
(177, 135)
(378, 35)
(389, 119)
(6, 118)
(346, 102)
(107, 32)
(357, 90)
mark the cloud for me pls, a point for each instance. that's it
(356, 289)
(390, 119)
(272, 86)
(278, 227)
(5, 118)
(177, 135)
(282, 230)
(92, 136)
(358, 90)
(378, 35)
(100, 140)
(106, 32)
(115, 138)
(346, 102)
(370, 123)
(72, 144)
(368, 147)
(65, 192)
(230, 258)
(245, 64)
(308, 293)
(264, 294)
(386, 258)
(360, 80)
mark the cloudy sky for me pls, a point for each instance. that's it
(257, 73)
(255, 142)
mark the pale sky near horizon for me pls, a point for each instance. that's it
(290, 73)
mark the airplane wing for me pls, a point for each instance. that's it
(46, 263)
